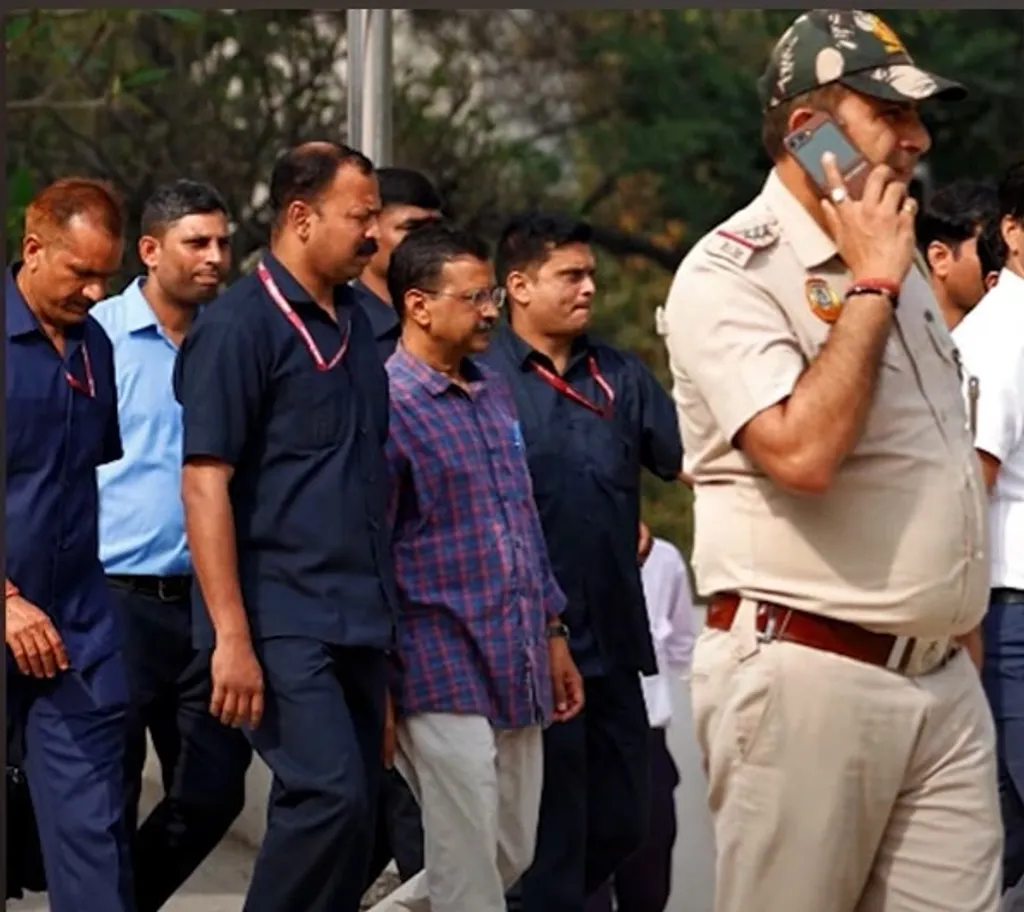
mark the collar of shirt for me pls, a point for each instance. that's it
(20, 321)
(383, 318)
(138, 315)
(297, 296)
(433, 381)
(813, 247)
(523, 353)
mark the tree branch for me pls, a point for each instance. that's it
(623, 244)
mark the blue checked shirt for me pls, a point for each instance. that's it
(475, 584)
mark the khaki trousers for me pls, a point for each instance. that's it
(838, 786)
(479, 789)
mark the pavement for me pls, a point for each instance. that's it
(219, 884)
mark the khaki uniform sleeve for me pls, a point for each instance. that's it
(734, 341)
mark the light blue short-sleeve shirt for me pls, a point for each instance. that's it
(142, 527)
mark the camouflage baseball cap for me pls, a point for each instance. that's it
(853, 48)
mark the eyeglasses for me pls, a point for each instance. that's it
(477, 299)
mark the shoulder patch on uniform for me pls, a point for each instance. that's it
(738, 245)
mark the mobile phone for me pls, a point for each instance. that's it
(821, 134)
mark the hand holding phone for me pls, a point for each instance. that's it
(870, 215)
(874, 234)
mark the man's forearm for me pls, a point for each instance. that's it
(829, 406)
(210, 527)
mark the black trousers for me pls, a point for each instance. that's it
(643, 881)
(202, 762)
(321, 732)
(399, 829)
(595, 805)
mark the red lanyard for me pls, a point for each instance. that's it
(282, 305)
(89, 387)
(552, 379)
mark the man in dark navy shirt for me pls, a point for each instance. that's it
(592, 417)
(67, 689)
(285, 489)
(408, 200)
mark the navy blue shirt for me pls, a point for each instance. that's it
(310, 487)
(56, 437)
(586, 480)
(383, 319)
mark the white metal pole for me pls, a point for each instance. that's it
(370, 83)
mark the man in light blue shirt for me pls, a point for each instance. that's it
(184, 246)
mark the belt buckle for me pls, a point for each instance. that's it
(773, 628)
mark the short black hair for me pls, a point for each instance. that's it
(992, 250)
(955, 213)
(420, 257)
(306, 170)
(1011, 192)
(172, 201)
(528, 239)
(405, 187)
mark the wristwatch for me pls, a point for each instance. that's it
(557, 629)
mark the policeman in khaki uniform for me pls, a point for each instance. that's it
(840, 518)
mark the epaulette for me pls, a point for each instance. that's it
(738, 244)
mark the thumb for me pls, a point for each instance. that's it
(561, 698)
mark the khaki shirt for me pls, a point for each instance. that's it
(899, 541)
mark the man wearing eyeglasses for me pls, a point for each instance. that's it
(592, 417)
(66, 681)
(483, 660)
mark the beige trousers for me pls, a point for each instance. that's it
(479, 791)
(837, 786)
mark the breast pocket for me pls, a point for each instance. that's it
(611, 454)
(314, 410)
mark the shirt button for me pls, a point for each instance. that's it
(978, 555)
(363, 431)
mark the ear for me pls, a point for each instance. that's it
(798, 117)
(517, 287)
(415, 307)
(299, 215)
(149, 251)
(991, 280)
(938, 256)
(31, 250)
(1011, 231)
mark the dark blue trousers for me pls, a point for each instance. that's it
(75, 728)
(202, 762)
(320, 735)
(643, 882)
(1003, 679)
(595, 804)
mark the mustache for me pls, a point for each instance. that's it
(486, 325)
(368, 247)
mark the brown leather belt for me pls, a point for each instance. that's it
(775, 622)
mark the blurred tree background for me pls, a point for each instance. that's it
(643, 121)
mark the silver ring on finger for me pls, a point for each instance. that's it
(838, 194)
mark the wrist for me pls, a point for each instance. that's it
(556, 630)
(876, 286)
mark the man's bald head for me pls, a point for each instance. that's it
(305, 172)
(52, 210)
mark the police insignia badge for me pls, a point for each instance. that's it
(823, 300)
(738, 245)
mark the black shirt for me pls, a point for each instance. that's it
(310, 488)
(383, 319)
(586, 480)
